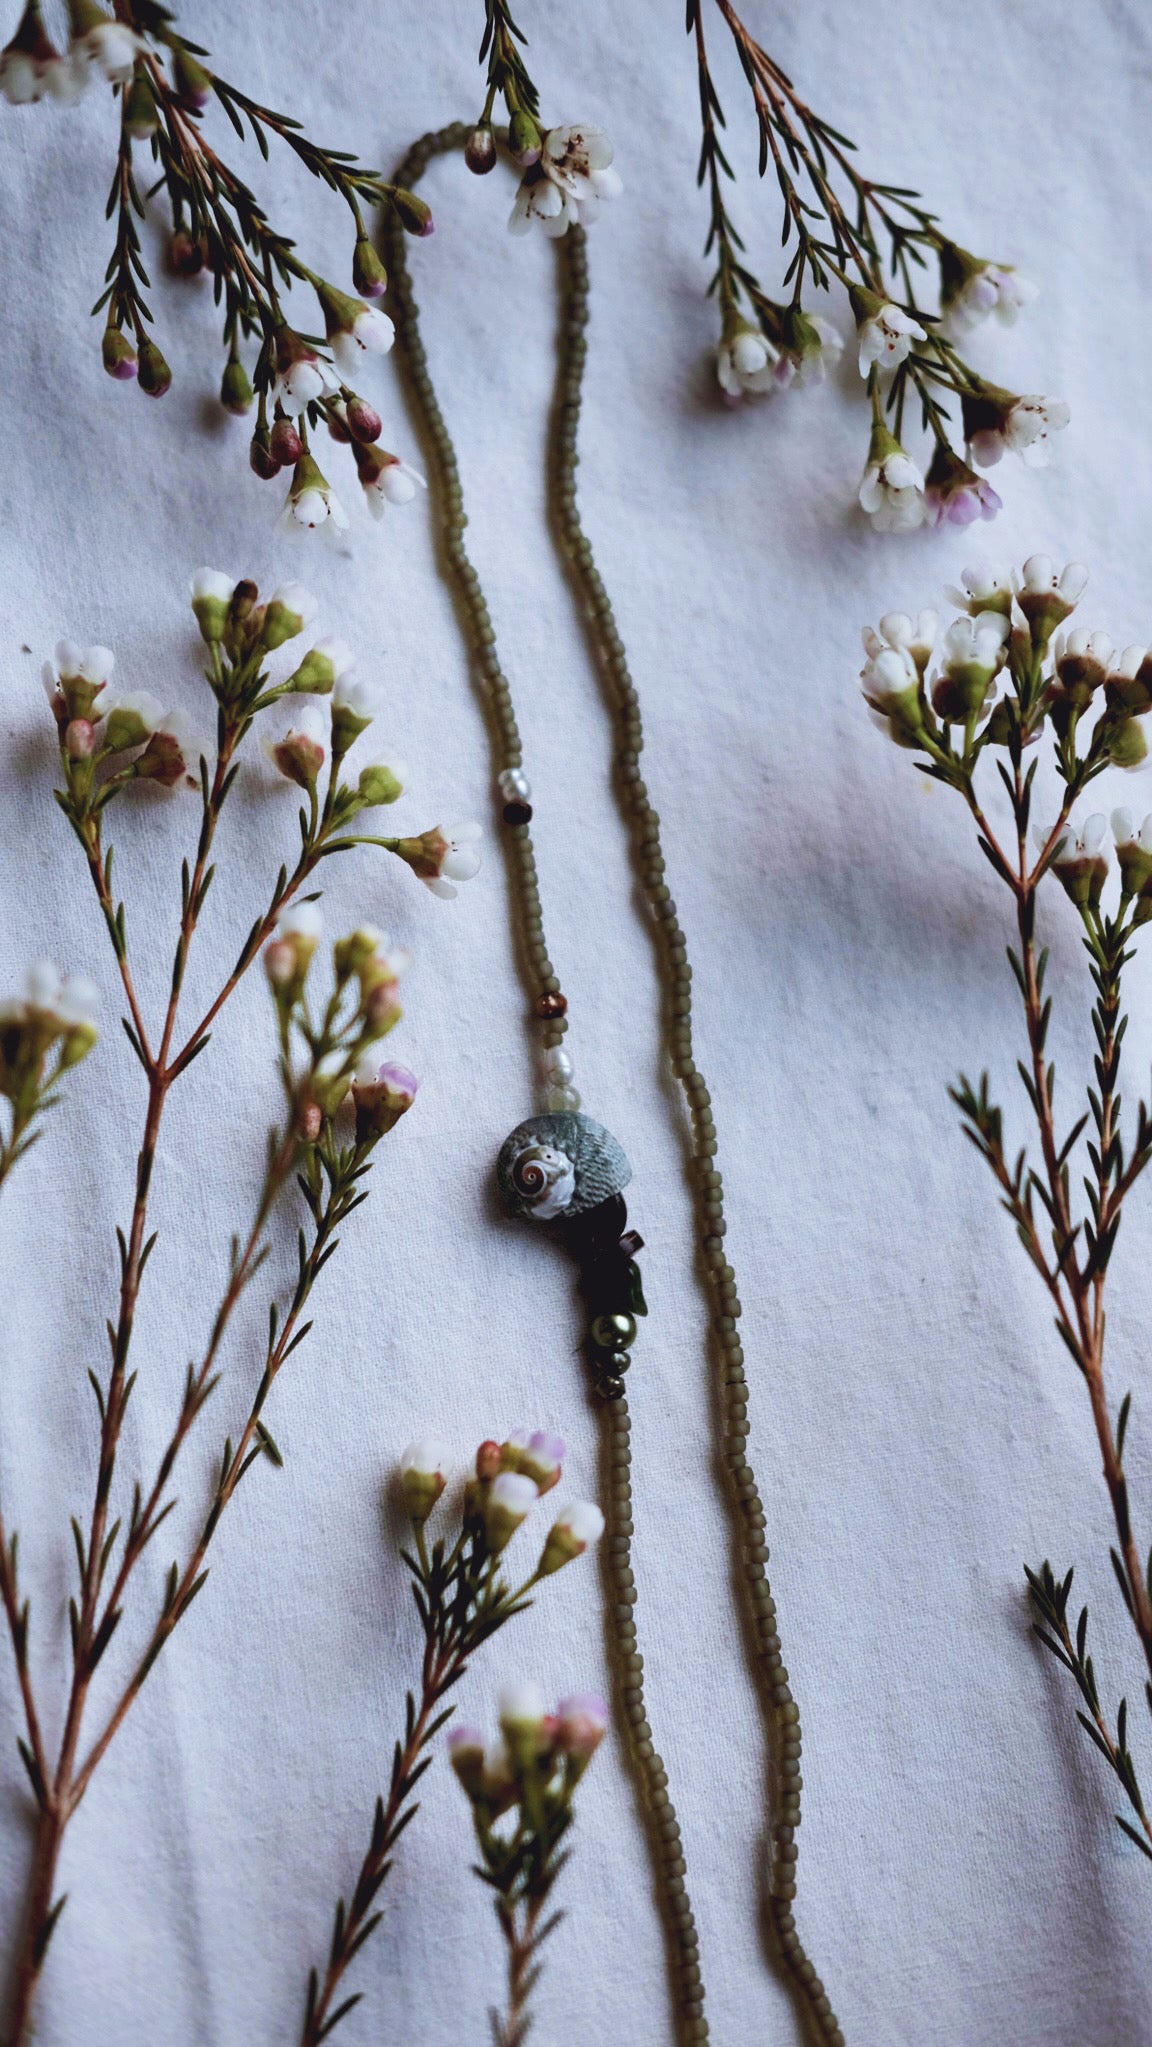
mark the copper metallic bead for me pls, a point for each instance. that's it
(552, 1004)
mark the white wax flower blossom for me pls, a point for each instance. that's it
(1040, 577)
(301, 920)
(87, 664)
(521, 1705)
(303, 378)
(976, 641)
(1077, 859)
(211, 592)
(388, 482)
(111, 46)
(1024, 427)
(892, 489)
(422, 1478)
(32, 68)
(1126, 835)
(813, 363)
(885, 337)
(983, 589)
(898, 630)
(574, 174)
(989, 289)
(458, 859)
(747, 363)
(370, 333)
(301, 750)
(1126, 667)
(355, 697)
(312, 504)
(131, 719)
(1083, 645)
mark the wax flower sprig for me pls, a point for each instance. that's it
(1011, 675)
(892, 258)
(463, 1598)
(567, 168)
(340, 1099)
(43, 1033)
(526, 1780)
(164, 85)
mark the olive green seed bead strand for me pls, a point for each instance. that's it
(650, 1775)
(707, 1187)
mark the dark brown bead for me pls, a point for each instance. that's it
(552, 1004)
(517, 812)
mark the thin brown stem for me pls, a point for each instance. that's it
(521, 1942)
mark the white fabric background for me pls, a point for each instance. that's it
(915, 1425)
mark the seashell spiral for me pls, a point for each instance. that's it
(559, 1165)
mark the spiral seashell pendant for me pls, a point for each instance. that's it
(559, 1165)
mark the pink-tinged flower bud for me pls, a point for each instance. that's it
(301, 752)
(535, 1453)
(338, 426)
(382, 1095)
(310, 1122)
(466, 1749)
(509, 1502)
(443, 856)
(487, 1459)
(187, 253)
(120, 359)
(422, 1477)
(570, 1535)
(193, 82)
(290, 609)
(499, 1788)
(285, 443)
(480, 150)
(581, 1723)
(236, 393)
(368, 273)
(415, 214)
(289, 955)
(79, 739)
(261, 460)
(522, 1721)
(212, 592)
(364, 422)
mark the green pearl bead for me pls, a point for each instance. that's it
(613, 1332)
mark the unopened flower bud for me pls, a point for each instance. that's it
(155, 377)
(212, 593)
(289, 955)
(381, 1094)
(285, 443)
(290, 609)
(570, 1535)
(131, 721)
(186, 253)
(581, 1723)
(120, 358)
(321, 668)
(310, 1122)
(329, 1082)
(354, 705)
(193, 82)
(261, 460)
(422, 1478)
(369, 276)
(488, 1459)
(349, 954)
(301, 752)
(381, 781)
(415, 214)
(364, 422)
(79, 739)
(538, 1455)
(509, 1502)
(480, 150)
(524, 139)
(338, 426)
(236, 393)
(1127, 743)
(140, 116)
(522, 1718)
(466, 1748)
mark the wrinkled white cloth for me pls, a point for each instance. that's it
(916, 1426)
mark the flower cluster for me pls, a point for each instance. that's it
(463, 1598)
(342, 1062)
(42, 1033)
(220, 232)
(109, 740)
(528, 1777)
(870, 239)
(567, 170)
(1012, 692)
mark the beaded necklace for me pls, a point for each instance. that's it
(562, 1169)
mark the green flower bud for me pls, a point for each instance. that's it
(236, 393)
(368, 273)
(155, 375)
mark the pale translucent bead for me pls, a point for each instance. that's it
(556, 1064)
(557, 1098)
(514, 785)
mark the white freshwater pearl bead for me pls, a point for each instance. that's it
(556, 1064)
(514, 785)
